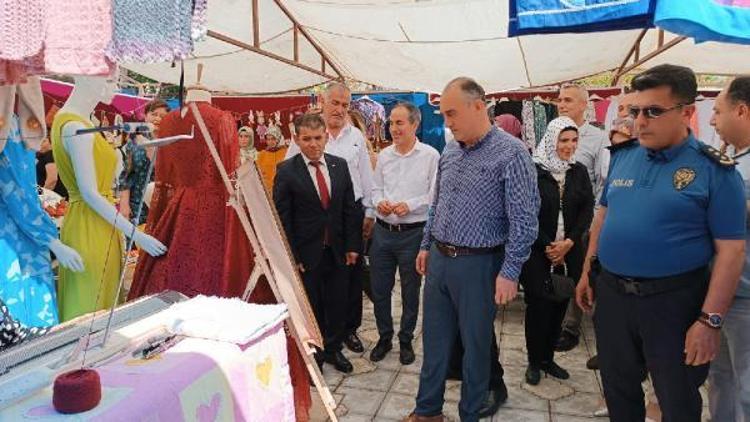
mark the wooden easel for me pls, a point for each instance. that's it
(282, 276)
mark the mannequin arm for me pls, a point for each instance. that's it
(80, 148)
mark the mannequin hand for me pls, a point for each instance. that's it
(67, 256)
(149, 244)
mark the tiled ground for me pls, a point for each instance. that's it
(385, 391)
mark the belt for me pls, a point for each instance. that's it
(640, 286)
(400, 227)
(453, 251)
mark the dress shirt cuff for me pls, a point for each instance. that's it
(426, 242)
(370, 212)
(413, 204)
(510, 271)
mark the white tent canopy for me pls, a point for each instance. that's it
(414, 45)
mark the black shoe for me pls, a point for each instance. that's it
(340, 362)
(406, 353)
(533, 375)
(593, 363)
(553, 369)
(495, 399)
(353, 343)
(381, 349)
(566, 342)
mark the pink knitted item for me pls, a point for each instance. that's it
(21, 28)
(78, 32)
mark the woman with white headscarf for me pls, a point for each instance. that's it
(567, 207)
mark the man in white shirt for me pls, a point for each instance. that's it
(729, 376)
(404, 179)
(572, 102)
(347, 142)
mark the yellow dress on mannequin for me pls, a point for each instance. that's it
(96, 240)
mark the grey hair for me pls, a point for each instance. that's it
(583, 92)
(469, 87)
(336, 85)
(415, 116)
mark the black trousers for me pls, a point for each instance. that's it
(327, 289)
(356, 286)
(636, 334)
(496, 369)
(542, 327)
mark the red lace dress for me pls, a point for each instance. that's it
(208, 251)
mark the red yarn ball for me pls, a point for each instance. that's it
(77, 391)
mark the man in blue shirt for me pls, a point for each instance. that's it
(729, 378)
(479, 232)
(670, 206)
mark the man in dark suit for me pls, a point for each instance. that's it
(315, 200)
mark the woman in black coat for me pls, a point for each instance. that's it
(559, 244)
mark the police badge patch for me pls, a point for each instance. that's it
(683, 177)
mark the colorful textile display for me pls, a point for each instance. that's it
(706, 20)
(374, 114)
(26, 282)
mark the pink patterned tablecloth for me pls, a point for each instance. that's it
(196, 380)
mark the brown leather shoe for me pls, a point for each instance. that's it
(413, 417)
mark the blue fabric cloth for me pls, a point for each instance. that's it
(559, 16)
(26, 283)
(432, 128)
(706, 20)
(665, 208)
(486, 195)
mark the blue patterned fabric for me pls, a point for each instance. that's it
(26, 284)
(559, 16)
(706, 20)
(135, 178)
(486, 195)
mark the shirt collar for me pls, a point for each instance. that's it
(308, 161)
(492, 132)
(344, 131)
(417, 146)
(668, 154)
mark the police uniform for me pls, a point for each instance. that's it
(664, 210)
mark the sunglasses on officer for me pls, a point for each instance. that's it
(651, 112)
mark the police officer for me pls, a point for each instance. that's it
(670, 206)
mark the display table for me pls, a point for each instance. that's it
(196, 380)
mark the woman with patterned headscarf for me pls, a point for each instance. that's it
(247, 144)
(567, 207)
(271, 156)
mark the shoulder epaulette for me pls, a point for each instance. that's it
(716, 155)
(623, 145)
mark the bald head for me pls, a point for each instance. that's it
(468, 87)
(462, 106)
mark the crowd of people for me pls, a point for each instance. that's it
(647, 216)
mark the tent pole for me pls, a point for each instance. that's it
(633, 50)
(654, 53)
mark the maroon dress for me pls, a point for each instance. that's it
(208, 251)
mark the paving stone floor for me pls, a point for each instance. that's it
(386, 390)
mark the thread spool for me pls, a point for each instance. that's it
(77, 391)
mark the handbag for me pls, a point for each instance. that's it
(558, 287)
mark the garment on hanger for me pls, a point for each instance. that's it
(540, 120)
(22, 29)
(528, 133)
(77, 34)
(26, 282)
(152, 31)
(374, 114)
(134, 178)
(95, 239)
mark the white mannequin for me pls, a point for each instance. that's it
(88, 92)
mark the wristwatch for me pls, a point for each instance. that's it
(713, 320)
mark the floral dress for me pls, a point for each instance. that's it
(26, 282)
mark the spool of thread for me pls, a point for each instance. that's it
(77, 391)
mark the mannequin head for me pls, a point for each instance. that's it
(96, 87)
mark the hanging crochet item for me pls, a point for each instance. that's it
(151, 31)
(77, 33)
(21, 28)
(200, 20)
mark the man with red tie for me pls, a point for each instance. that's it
(314, 197)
